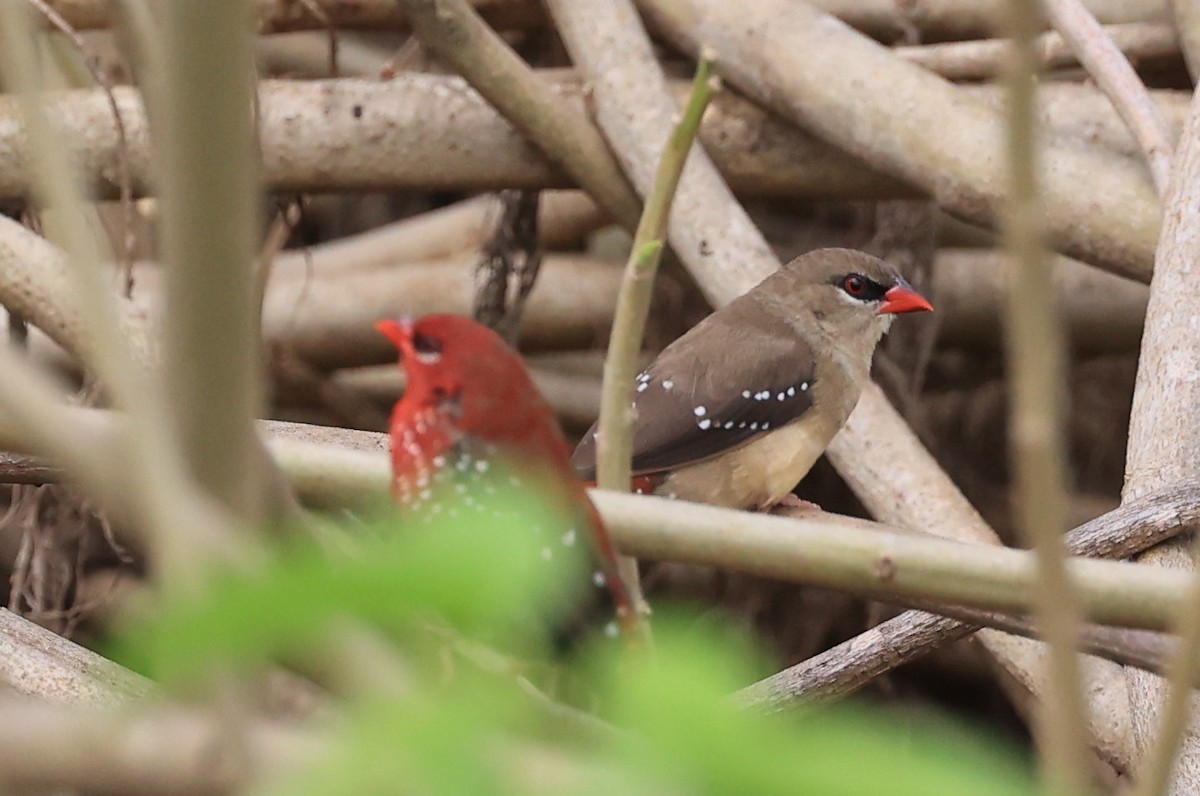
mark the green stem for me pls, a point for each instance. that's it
(614, 435)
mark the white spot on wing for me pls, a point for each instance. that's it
(700, 411)
(668, 384)
(705, 423)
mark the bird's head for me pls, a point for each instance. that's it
(469, 375)
(851, 294)
(447, 358)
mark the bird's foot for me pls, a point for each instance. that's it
(791, 502)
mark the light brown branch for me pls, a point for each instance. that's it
(459, 37)
(433, 132)
(984, 59)
(325, 315)
(1186, 16)
(1103, 312)
(38, 663)
(845, 88)
(850, 665)
(1036, 360)
(1112, 71)
(1164, 435)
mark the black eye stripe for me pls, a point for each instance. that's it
(860, 287)
(424, 344)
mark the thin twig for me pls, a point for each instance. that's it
(124, 173)
(1111, 70)
(1036, 359)
(614, 441)
(984, 59)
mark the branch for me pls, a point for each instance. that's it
(852, 664)
(845, 88)
(38, 663)
(1164, 435)
(1036, 364)
(320, 311)
(981, 60)
(1112, 71)
(1103, 313)
(433, 132)
(873, 559)
(455, 33)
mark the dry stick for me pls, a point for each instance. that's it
(454, 32)
(434, 132)
(124, 174)
(614, 437)
(1186, 15)
(1164, 437)
(1111, 70)
(847, 89)
(980, 60)
(874, 559)
(1037, 363)
(849, 666)
(708, 230)
(1145, 649)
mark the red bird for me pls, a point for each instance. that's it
(468, 402)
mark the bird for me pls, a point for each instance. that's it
(736, 411)
(470, 404)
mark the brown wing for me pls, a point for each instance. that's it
(733, 377)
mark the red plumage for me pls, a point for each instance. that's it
(468, 399)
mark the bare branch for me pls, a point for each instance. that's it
(1111, 70)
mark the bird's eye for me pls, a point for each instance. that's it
(855, 285)
(429, 349)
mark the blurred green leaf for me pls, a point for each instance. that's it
(486, 573)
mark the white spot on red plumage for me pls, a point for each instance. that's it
(481, 466)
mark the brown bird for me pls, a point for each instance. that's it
(736, 411)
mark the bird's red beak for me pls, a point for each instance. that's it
(399, 331)
(902, 298)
